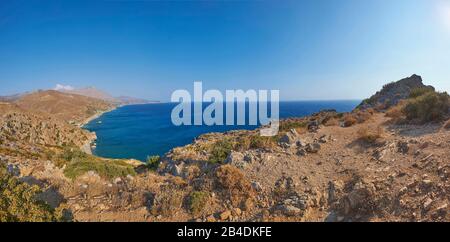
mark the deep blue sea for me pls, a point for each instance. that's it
(137, 131)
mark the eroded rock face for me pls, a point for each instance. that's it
(392, 93)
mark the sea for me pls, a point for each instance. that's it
(139, 131)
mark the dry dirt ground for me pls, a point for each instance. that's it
(400, 175)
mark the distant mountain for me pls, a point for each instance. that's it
(99, 94)
(393, 92)
(12, 98)
(93, 93)
(124, 100)
(69, 107)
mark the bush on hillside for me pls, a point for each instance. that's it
(108, 169)
(220, 151)
(431, 106)
(370, 135)
(152, 162)
(18, 201)
(198, 201)
(234, 185)
(417, 92)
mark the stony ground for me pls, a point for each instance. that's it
(370, 171)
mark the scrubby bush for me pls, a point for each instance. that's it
(431, 106)
(417, 92)
(105, 168)
(396, 112)
(233, 184)
(255, 142)
(18, 201)
(357, 117)
(220, 151)
(152, 162)
(167, 201)
(70, 153)
(287, 125)
(349, 120)
(370, 134)
(198, 201)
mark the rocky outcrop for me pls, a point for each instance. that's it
(392, 93)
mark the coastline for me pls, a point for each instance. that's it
(87, 147)
(95, 116)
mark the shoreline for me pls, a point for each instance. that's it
(87, 147)
(95, 116)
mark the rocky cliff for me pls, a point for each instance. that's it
(393, 92)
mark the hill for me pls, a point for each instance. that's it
(68, 107)
(393, 92)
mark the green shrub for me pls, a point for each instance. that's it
(18, 201)
(152, 162)
(105, 168)
(70, 153)
(220, 151)
(417, 92)
(431, 106)
(288, 125)
(198, 201)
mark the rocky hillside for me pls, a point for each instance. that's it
(393, 92)
(63, 106)
(21, 126)
(357, 166)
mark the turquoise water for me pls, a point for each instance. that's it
(137, 131)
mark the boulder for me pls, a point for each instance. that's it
(313, 147)
(237, 159)
(290, 137)
(313, 126)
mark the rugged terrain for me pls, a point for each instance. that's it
(377, 163)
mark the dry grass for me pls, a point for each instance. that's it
(370, 134)
(429, 107)
(349, 120)
(357, 117)
(168, 201)
(234, 185)
(396, 112)
(197, 202)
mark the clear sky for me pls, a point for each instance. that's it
(315, 49)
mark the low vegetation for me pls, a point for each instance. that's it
(357, 117)
(369, 134)
(220, 151)
(18, 201)
(255, 141)
(198, 201)
(108, 169)
(233, 184)
(417, 92)
(288, 125)
(431, 106)
(167, 201)
(152, 162)
(78, 163)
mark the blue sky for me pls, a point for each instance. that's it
(315, 49)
